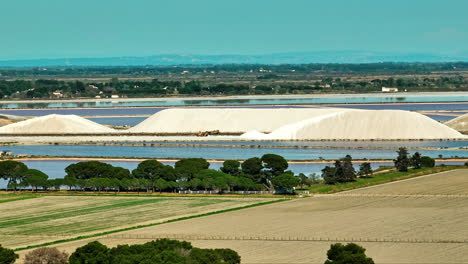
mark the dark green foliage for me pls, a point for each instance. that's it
(153, 170)
(252, 168)
(365, 170)
(162, 251)
(342, 172)
(427, 162)
(402, 162)
(231, 167)
(7, 256)
(94, 169)
(347, 254)
(285, 182)
(416, 160)
(13, 171)
(187, 168)
(91, 253)
(276, 163)
(328, 175)
(35, 178)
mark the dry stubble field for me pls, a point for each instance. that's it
(411, 221)
(50, 218)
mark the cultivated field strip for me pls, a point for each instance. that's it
(450, 183)
(52, 218)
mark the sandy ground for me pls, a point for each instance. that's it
(399, 228)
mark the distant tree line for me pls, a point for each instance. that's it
(319, 68)
(342, 171)
(266, 173)
(266, 83)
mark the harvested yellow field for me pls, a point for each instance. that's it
(50, 218)
(445, 183)
(397, 228)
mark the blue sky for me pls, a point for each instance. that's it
(104, 28)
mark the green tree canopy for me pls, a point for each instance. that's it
(231, 167)
(276, 163)
(402, 161)
(347, 254)
(90, 169)
(35, 178)
(416, 160)
(187, 168)
(12, 171)
(285, 182)
(427, 162)
(91, 253)
(252, 167)
(7, 256)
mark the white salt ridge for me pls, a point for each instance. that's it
(227, 120)
(460, 123)
(362, 125)
(56, 124)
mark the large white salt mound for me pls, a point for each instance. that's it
(363, 125)
(228, 120)
(56, 124)
(460, 123)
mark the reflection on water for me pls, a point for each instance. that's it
(411, 98)
(219, 152)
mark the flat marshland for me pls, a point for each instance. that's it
(419, 220)
(50, 218)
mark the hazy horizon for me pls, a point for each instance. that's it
(118, 28)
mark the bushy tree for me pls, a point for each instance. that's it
(153, 170)
(427, 162)
(285, 182)
(90, 169)
(13, 171)
(275, 163)
(35, 178)
(231, 167)
(7, 256)
(416, 160)
(365, 170)
(46, 255)
(347, 254)
(252, 168)
(328, 175)
(187, 168)
(402, 161)
(348, 171)
(91, 253)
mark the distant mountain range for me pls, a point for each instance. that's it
(277, 58)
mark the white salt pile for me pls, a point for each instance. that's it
(227, 120)
(56, 124)
(361, 125)
(460, 123)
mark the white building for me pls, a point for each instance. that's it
(389, 90)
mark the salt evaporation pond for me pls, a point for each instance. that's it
(217, 152)
(306, 99)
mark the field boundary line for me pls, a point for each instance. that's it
(149, 225)
(398, 181)
(285, 238)
(394, 195)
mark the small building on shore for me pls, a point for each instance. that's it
(389, 90)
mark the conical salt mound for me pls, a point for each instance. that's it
(56, 124)
(227, 120)
(362, 125)
(460, 123)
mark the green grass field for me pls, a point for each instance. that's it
(378, 179)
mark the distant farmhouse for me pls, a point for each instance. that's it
(389, 90)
